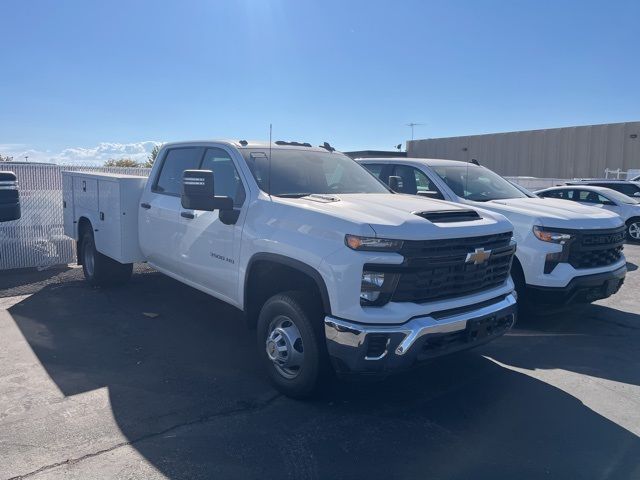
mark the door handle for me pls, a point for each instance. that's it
(146, 206)
(188, 215)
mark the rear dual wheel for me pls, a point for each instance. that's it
(100, 270)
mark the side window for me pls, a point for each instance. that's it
(226, 179)
(604, 200)
(175, 162)
(627, 188)
(375, 168)
(416, 182)
(563, 194)
(586, 196)
(553, 194)
(379, 170)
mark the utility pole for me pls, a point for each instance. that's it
(412, 124)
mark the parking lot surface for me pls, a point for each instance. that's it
(157, 380)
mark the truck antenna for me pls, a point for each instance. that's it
(269, 174)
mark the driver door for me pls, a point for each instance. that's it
(210, 247)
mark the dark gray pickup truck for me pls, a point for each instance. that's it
(9, 197)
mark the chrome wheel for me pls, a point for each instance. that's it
(634, 230)
(284, 346)
(89, 259)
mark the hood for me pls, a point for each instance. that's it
(394, 215)
(553, 212)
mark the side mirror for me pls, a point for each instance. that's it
(9, 197)
(198, 192)
(395, 183)
(637, 194)
(430, 194)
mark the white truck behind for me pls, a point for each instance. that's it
(335, 271)
(567, 252)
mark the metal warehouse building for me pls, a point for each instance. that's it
(583, 151)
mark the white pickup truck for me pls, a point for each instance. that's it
(335, 271)
(566, 252)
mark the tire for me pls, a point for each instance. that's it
(633, 229)
(524, 305)
(291, 344)
(100, 270)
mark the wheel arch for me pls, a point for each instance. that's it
(283, 273)
(517, 270)
(84, 223)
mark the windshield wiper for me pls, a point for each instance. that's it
(293, 195)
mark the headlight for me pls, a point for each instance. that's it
(550, 235)
(553, 236)
(376, 288)
(372, 244)
(371, 286)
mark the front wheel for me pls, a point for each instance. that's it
(291, 344)
(633, 230)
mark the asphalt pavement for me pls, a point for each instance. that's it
(157, 380)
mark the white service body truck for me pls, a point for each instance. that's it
(566, 252)
(335, 271)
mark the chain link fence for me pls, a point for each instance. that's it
(37, 239)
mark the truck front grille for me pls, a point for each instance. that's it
(596, 248)
(438, 269)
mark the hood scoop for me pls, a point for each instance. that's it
(450, 216)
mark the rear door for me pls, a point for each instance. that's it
(161, 227)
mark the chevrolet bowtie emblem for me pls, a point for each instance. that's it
(480, 255)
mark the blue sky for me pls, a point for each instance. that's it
(77, 74)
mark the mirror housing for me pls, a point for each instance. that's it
(9, 197)
(431, 194)
(637, 194)
(395, 183)
(198, 192)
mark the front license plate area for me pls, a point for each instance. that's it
(611, 287)
(480, 328)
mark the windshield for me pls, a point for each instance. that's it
(621, 197)
(478, 184)
(298, 173)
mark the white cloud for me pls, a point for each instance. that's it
(97, 155)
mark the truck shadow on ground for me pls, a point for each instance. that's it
(177, 361)
(27, 281)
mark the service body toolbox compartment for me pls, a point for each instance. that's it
(110, 202)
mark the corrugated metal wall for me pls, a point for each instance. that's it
(37, 239)
(560, 152)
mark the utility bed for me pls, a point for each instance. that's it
(110, 202)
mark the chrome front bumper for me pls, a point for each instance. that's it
(360, 348)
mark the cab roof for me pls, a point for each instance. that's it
(588, 188)
(241, 144)
(432, 162)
